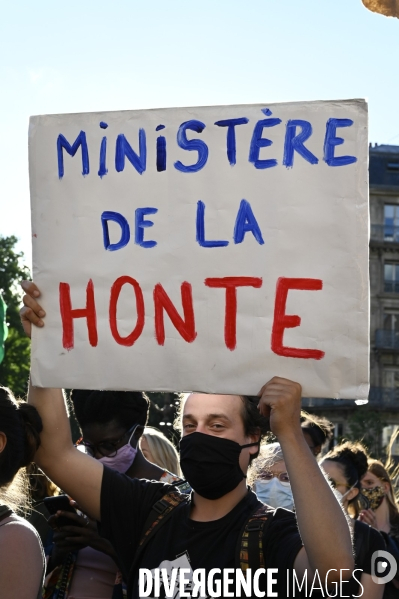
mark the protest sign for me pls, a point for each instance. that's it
(203, 249)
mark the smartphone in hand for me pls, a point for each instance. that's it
(60, 502)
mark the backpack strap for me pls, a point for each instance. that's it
(6, 514)
(59, 581)
(249, 550)
(160, 513)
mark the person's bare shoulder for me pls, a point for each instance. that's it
(21, 558)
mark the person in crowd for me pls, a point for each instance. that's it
(382, 514)
(345, 466)
(157, 449)
(269, 478)
(21, 553)
(111, 423)
(220, 434)
(268, 473)
(317, 431)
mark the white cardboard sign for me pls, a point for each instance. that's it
(203, 249)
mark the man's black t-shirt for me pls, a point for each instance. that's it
(185, 543)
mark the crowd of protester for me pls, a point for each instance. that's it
(83, 564)
(131, 494)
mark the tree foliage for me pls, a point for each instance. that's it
(366, 426)
(14, 370)
(163, 412)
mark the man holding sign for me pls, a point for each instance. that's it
(220, 435)
(212, 248)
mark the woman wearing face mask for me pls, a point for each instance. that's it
(269, 478)
(345, 466)
(382, 514)
(111, 423)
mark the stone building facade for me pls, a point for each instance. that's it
(383, 401)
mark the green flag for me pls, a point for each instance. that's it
(3, 327)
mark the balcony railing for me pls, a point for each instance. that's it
(391, 286)
(384, 397)
(387, 339)
(387, 233)
(379, 397)
(326, 403)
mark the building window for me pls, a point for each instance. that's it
(391, 321)
(388, 336)
(391, 222)
(391, 378)
(390, 381)
(391, 277)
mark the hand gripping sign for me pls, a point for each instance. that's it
(202, 248)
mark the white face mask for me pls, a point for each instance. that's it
(339, 495)
(274, 493)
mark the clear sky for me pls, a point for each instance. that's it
(86, 55)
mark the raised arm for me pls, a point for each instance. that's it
(321, 520)
(76, 473)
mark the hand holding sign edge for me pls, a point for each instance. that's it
(32, 312)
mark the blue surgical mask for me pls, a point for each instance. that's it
(274, 493)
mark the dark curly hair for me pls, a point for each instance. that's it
(125, 407)
(253, 420)
(22, 425)
(318, 428)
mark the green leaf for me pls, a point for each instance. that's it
(14, 369)
(3, 326)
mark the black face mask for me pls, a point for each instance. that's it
(211, 464)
